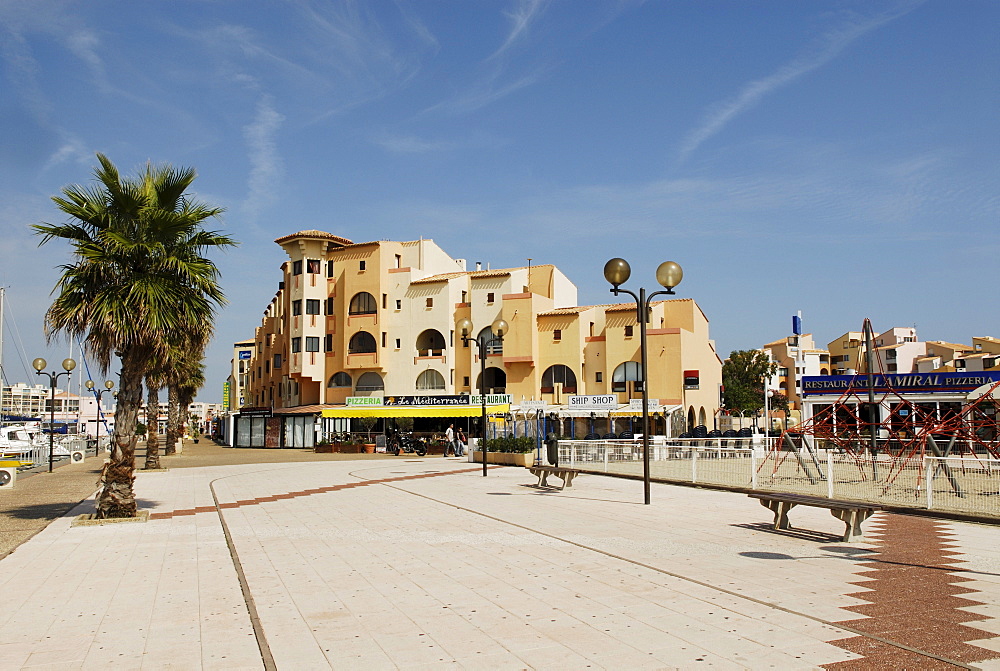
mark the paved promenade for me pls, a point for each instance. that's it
(423, 563)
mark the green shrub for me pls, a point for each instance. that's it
(519, 445)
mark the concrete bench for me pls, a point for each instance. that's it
(851, 513)
(564, 474)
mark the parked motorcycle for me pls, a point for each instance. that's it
(397, 441)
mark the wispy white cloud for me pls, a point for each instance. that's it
(266, 166)
(831, 45)
(408, 144)
(23, 71)
(483, 94)
(72, 149)
(85, 45)
(521, 18)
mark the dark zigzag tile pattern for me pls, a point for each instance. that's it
(914, 600)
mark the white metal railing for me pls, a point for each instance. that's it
(969, 484)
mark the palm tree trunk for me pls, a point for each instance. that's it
(117, 498)
(173, 419)
(152, 426)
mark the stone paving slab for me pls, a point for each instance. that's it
(416, 563)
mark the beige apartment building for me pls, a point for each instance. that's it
(234, 393)
(378, 319)
(796, 356)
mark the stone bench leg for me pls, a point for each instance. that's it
(780, 510)
(852, 519)
(543, 477)
(568, 479)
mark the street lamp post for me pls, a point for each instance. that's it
(464, 326)
(39, 365)
(669, 275)
(108, 385)
(768, 393)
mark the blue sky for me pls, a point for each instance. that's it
(833, 157)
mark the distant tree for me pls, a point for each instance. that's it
(779, 403)
(743, 376)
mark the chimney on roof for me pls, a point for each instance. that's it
(479, 265)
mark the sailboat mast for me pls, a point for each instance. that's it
(3, 372)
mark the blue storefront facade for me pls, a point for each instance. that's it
(907, 402)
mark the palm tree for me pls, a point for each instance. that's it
(186, 390)
(187, 355)
(153, 432)
(138, 277)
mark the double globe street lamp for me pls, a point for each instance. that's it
(39, 365)
(483, 343)
(108, 386)
(669, 275)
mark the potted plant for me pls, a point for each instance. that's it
(369, 423)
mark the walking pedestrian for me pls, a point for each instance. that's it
(449, 437)
(460, 444)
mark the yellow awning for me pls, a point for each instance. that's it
(415, 411)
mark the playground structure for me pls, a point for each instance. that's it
(886, 434)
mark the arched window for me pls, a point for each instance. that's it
(370, 382)
(340, 379)
(496, 381)
(362, 304)
(493, 344)
(628, 371)
(430, 380)
(361, 342)
(558, 374)
(430, 343)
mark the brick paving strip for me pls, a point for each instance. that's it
(914, 601)
(305, 492)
